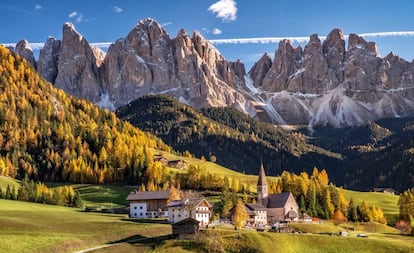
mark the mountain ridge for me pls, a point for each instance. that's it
(323, 83)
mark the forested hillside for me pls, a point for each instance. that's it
(379, 154)
(51, 136)
(227, 136)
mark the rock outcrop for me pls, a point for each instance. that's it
(328, 84)
(24, 50)
(191, 69)
(47, 65)
(78, 72)
(322, 83)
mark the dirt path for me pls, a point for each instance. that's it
(108, 245)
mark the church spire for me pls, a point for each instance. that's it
(262, 189)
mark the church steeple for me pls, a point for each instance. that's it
(262, 190)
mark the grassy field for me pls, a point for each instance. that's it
(286, 243)
(30, 227)
(220, 170)
(4, 181)
(387, 202)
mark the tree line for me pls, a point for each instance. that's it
(48, 135)
(39, 193)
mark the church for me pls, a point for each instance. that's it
(280, 207)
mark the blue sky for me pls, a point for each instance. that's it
(108, 20)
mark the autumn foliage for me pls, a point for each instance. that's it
(48, 135)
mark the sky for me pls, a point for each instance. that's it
(229, 24)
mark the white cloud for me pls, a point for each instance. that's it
(165, 24)
(217, 31)
(117, 9)
(224, 9)
(38, 7)
(72, 14)
(77, 16)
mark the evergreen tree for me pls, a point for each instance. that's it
(352, 211)
(77, 201)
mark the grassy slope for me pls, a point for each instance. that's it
(220, 170)
(4, 181)
(387, 202)
(29, 227)
(286, 243)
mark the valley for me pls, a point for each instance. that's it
(158, 143)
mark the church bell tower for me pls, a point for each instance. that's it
(262, 190)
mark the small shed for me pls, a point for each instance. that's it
(185, 229)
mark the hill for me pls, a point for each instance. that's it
(48, 135)
(362, 157)
(229, 137)
(378, 154)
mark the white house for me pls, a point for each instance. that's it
(257, 214)
(149, 204)
(199, 210)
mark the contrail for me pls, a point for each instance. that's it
(267, 40)
(260, 40)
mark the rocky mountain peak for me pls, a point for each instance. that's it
(24, 49)
(334, 52)
(260, 68)
(356, 42)
(77, 69)
(314, 46)
(47, 64)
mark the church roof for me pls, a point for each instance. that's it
(258, 207)
(262, 177)
(278, 200)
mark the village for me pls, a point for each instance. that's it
(189, 214)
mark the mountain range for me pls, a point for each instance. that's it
(325, 83)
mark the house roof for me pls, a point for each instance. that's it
(254, 207)
(278, 200)
(193, 202)
(148, 195)
(262, 177)
(187, 220)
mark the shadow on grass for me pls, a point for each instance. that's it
(152, 242)
(152, 221)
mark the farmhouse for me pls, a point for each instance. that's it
(149, 204)
(198, 209)
(384, 190)
(280, 207)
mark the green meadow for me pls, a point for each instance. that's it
(30, 227)
(387, 202)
